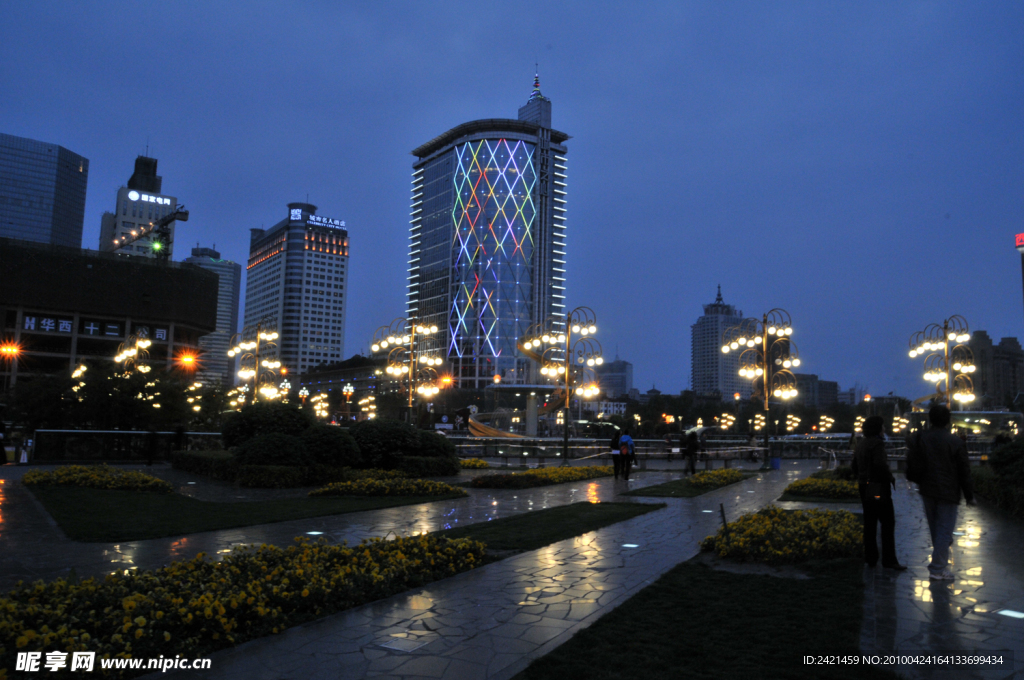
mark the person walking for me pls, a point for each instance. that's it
(875, 484)
(692, 447)
(627, 451)
(937, 462)
(616, 454)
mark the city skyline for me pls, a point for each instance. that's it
(827, 161)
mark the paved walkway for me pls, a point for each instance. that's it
(490, 622)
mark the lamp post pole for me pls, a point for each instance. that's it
(953, 364)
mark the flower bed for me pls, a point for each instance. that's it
(823, 488)
(196, 606)
(712, 479)
(97, 477)
(540, 477)
(777, 536)
(389, 487)
(473, 464)
(844, 472)
(376, 473)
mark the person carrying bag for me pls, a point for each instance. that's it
(875, 483)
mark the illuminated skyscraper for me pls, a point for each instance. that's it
(138, 205)
(487, 238)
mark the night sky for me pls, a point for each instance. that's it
(858, 164)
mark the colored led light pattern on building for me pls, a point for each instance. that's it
(493, 246)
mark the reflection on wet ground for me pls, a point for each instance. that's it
(910, 614)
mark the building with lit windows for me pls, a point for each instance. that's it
(712, 371)
(215, 366)
(295, 279)
(487, 239)
(42, 192)
(62, 306)
(138, 204)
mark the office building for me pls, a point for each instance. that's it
(214, 365)
(295, 283)
(57, 310)
(714, 372)
(138, 205)
(815, 393)
(999, 377)
(42, 192)
(615, 378)
(487, 239)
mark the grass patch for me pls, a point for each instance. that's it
(539, 528)
(96, 516)
(680, 488)
(697, 622)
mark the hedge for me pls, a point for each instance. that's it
(214, 464)
(264, 418)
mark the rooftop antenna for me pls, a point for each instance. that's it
(147, 146)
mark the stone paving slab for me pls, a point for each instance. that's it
(491, 622)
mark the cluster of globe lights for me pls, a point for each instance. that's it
(756, 340)
(133, 351)
(935, 346)
(402, 339)
(271, 364)
(965, 397)
(428, 390)
(588, 391)
(787, 392)
(552, 370)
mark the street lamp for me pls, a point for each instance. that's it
(947, 359)
(565, 359)
(767, 354)
(413, 352)
(247, 346)
(133, 353)
(303, 393)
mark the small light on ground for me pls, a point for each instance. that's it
(707, 510)
(630, 545)
(314, 533)
(1011, 613)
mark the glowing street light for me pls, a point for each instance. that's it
(246, 346)
(414, 352)
(947, 359)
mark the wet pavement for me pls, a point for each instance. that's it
(489, 623)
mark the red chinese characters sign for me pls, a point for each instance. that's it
(1020, 240)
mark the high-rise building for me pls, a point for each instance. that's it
(42, 192)
(714, 372)
(296, 281)
(487, 239)
(215, 365)
(1000, 369)
(615, 378)
(138, 204)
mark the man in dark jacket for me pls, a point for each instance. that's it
(875, 484)
(937, 461)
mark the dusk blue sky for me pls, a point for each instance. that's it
(858, 164)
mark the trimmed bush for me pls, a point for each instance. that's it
(420, 466)
(778, 536)
(433, 445)
(264, 418)
(473, 464)
(270, 476)
(384, 442)
(330, 445)
(843, 472)
(713, 479)
(213, 464)
(823, 488)
(992, 488)
(540, 477)
(271, 449)
(390, 487)
(97, 477)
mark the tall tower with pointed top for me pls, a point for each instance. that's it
(713, 372)
(487, 239)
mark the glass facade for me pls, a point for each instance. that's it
(487, 241)
(42, 192)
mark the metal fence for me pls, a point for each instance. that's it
(92, 446)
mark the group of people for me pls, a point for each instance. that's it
(937, 463)
(623, 452)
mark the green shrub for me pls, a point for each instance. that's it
(264, 418)
(390, 487)
(384, 442)
(331, 445)
(313, 475)
(823, 488)
(433, 445)
(994, 488)
(778, 536)
(843, 473)
(271, 449)
(421, 466)
(213, 464)
(269, 476)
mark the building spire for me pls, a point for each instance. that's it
(718, 300)
(536, 85)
